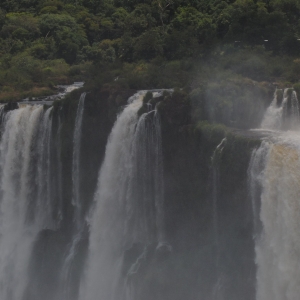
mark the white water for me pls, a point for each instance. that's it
(295, 113)
(25, 207)
(275, 172)
(273, 116)
(274, 184)
(44, 179)
(128, 205)
(66, 274)
(277, 116)
(76, 161)
(59, 171)
(128, 211)
(255, 173)
(215, 191)
(217, 293)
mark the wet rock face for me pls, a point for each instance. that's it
(197, 266)
(190, 212)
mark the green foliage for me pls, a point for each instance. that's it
(67, 34)
(140, 19)
(215, 132)
(119, 18)
(155, 43)
(148, 45)
(189, 18)
(2, 18)
(101, 52)
(20, 26)
(43, 48)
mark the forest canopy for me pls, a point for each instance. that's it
(146, 43)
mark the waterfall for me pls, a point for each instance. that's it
(295, 114)
(255, 173)
(273, 116)
(67, 279)
(59, 170)
(26, 207)
(76, 161)
(2, 114)
(127, 223)
(215, 190)
(273, 179)
(44, 178)
(128, 215)
(277, 167)
(217, 289)
(283, 116)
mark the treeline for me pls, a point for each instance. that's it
(45, 42)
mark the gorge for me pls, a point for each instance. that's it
(124, 197)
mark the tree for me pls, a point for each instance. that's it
(67, 34)
(148, 45)
(199, 24)
(140, 19)
(23, 26)
(2, 18)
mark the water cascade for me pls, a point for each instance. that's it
(274, 176)
(76, 161)
(63, 237)
(217, 290)
(32, 203)
(295, 113)
(58, 168)
(127, 223)
(26, 200)
(67, 281)
(255, 172)
(284, 114)
(276, 166)
(2, 114)
(38, 220)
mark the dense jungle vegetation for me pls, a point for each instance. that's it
(230, 51)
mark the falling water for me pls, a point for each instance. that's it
(2, 113)
(148, 175)
(273, 116)
(128, 216)
(278, 244)
(76, 161)
(255, 173)
(283, 116)
(215, 191)
(295, 114)
(273, 177)
(25, 185)
(59, 170)
(217, 289)
(44, 178)
(66, 276)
